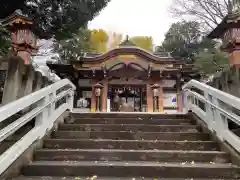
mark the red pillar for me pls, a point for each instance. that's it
(104, 96)
(149, 98)
(161, 100)
(93, 100)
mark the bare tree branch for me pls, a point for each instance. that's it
(208, 12)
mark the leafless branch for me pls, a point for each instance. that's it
(208, 12)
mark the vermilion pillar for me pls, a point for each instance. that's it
(93, 100)
(104, 96)
(161, 100)
(149, 98)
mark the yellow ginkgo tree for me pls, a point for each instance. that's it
(99, 41)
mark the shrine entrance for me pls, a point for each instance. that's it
(127, 88)
(127, 98)
(127, 79)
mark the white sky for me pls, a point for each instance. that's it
(133, 18)
(136, 17)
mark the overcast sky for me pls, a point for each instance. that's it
(136, 17)
(133, 18)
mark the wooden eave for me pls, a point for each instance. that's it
(68, 68)
(60, 69)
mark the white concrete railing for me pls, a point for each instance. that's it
(215, 108)
(42, 105)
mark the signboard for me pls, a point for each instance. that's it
(108, 105)
(170, 100)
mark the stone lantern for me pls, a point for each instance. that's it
(24, 41)
(229, 32)
(155, 89)
(98, 91)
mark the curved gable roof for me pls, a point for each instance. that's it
(126, 50)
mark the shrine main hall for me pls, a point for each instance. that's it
(127, 79)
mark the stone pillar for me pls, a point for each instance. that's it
(104, 96)
(45, 81)
(27, 81)
(38, 81)
(13, 82)
(161, 99)
(149, 98)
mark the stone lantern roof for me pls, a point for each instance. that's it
(230, 21)
(17, 18)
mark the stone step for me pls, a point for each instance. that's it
(128, 127)
(94, 177)
(130, 155)
(129, 121)
(129, 115)
(130, 144)
(131, 169)
(121, 135)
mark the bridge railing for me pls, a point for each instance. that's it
(44, 106)
(216, 108)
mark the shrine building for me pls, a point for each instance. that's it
(127, 79)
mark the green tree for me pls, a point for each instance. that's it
(60, 19)
(210, 61)
(74, 48)
(144, 42)
(183, 40)
(4, 41)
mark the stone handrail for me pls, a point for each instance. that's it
(216, 108)
(44, 107)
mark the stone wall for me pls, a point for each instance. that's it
(227, 81)
(20, 79)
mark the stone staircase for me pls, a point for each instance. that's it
(129, 146)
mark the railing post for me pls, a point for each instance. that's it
(44, 114)
(220, 121)
(70, 100)
(209, 118)
(52, 98)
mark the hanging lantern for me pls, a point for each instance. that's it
(120, 91)
(98, 88)
(116, 99)
(155, 88)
